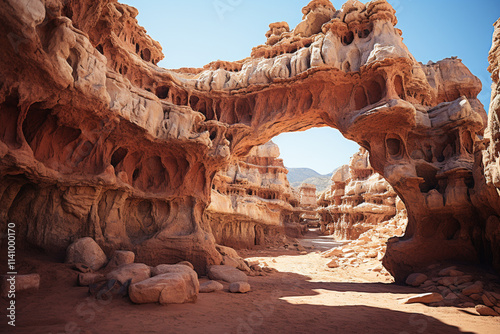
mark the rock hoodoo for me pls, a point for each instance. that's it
(358, 200)
(97, 141)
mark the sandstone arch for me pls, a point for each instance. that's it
(421, 123)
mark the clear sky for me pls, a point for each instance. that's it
(196, 32)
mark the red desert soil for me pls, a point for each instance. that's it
(304, 296)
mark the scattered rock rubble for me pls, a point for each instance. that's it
(441, 286)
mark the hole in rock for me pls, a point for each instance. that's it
(348, 39)
(162, 92)
(243, 111)
(376, 90)
(118, 156)
(364, 33)
(428, 173)
(469, 182)
(100, 48)
(393, 146)
(194, 102)
(146, 54)
(135, 174)
(213, 135)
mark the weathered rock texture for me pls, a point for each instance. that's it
(95, 140)
(485, 195)
(359, 199)
(251, 199)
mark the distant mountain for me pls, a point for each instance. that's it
(297, 176)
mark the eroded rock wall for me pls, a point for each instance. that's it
(359, 200)
(86, 149)
(251, 200)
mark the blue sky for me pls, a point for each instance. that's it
(196, 32)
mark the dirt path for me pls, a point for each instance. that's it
(319, 242)
(303, 297)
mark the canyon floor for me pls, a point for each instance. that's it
(302, 296)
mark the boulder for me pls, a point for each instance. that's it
(18, 283)
(476, 288)
(86, 279)
(447, 271)
(333, 264)
(487, 301)
(226, 273)
(120, 258)
(447, 281)
(236, 262)
(210, 286)
(176, 286)
(171, 268)
(137, 272)
(186, 263)
(239, 287)
(486, 311)
(87, 252)
(425, 298)
(416, 279)
(227, 251)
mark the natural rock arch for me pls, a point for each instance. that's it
(147, 142)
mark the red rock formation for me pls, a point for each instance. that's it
(86, 149)
(251, 200)
(359, 200)
(485, 195)
(128, 158)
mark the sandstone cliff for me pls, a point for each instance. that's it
(359, 200)
(251, 199)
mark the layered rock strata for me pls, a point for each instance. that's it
(96, 140)
(359, 199)
(251, 200)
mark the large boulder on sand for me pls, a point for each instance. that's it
(226, 273)
(173, 284)
(88, 252)
(239, 287)
(120, 258)
(170, 268)
(137, 272)
(211, 286)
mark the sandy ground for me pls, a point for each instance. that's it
(304, 296)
